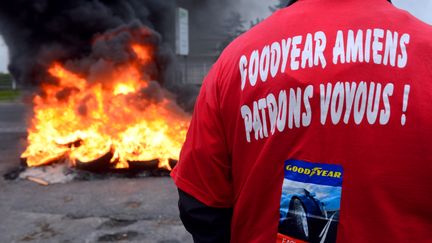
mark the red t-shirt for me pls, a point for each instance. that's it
(319, 120)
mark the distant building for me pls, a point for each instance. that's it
(204, 35)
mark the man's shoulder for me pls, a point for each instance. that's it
(290, 21)
(420, 36)
(405, 20)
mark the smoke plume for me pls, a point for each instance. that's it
(40, 32)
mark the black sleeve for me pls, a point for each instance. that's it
(206, 224)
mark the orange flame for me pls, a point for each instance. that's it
(82, 121)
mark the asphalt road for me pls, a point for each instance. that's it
(111, 210)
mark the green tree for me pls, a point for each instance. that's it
(234, 26)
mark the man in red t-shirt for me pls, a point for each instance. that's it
(314, 126)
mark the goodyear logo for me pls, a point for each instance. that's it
(317, 171)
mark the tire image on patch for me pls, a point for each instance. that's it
(310, 202)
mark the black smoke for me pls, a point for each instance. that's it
(39, 32)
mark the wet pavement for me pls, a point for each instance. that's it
(109, 210)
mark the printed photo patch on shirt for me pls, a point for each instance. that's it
(310, 203)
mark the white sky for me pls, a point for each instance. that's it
(253, 9)
(422, 9)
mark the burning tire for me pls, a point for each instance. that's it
(173, 163)
(99, 165)
(111, 122)
(143, 165)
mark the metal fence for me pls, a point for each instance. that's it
(7, 82)
(193, 73)
(197, 72)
